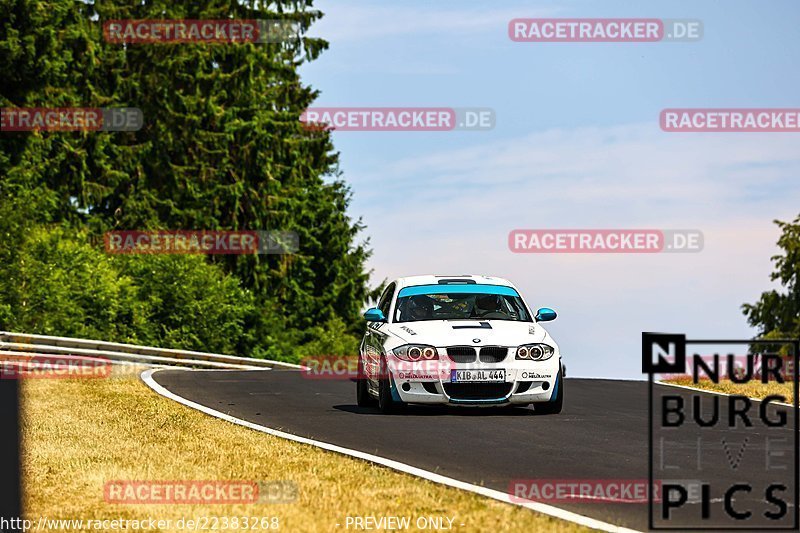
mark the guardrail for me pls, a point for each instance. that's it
(17, 344)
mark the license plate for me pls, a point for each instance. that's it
(477, 376)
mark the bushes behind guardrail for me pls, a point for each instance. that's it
(58, 283)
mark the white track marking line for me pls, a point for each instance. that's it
(215, 369)
(147, 377)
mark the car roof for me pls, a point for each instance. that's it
(431, 279)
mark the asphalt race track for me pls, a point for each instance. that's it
(601, 434)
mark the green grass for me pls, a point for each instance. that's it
(753, 389)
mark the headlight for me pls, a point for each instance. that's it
(416, 352)
(535, 352)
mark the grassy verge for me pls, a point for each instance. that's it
(80, 434)
(752, 389)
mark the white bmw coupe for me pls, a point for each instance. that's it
(458, 340)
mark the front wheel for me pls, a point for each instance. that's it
(363, 398)
(555, 405)
(386, 403)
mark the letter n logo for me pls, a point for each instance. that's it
(663, 353)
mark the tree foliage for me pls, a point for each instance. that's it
(222, 148)
(777, 314)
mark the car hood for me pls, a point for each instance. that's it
(464, 332)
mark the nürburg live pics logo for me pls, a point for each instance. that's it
(722, 461)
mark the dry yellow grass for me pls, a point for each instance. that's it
(79, 434)
(752, 389)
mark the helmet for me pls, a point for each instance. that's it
(487, 302)
(420, 307)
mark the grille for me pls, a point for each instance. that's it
(477, 391)
(461, 354)
(493, 354)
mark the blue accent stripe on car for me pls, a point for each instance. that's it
(478, 401)
(393, 388)
(457, 289)
(554, 396)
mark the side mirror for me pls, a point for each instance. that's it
(374, 315)
(545, 314)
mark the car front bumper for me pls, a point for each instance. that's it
(525, 382)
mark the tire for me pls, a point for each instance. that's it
(553, 407)
(363, 398)
(386, 403)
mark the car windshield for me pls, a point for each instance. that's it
(468, 302)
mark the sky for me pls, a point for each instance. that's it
(577, 144)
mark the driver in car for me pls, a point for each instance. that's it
(488, 304)
(420, 308)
